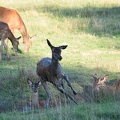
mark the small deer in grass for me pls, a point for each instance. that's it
(5, 32)
(101, 84)
(49, 70)
(34, 87)
(115, 87)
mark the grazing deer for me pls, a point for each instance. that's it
(5, 32)
(34, 87)
(49, 70)
(15, 22)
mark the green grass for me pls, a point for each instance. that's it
(90, 28)
(107, 111)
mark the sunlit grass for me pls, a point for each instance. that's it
(90, 29)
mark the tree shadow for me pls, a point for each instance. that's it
(99, 21)
(111, 116)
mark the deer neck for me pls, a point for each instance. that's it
(24, 33)
(35, 97)
(35, 101)
(54, 66)
(12, 38)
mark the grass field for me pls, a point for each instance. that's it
(91, 29)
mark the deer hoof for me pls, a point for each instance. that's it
(75, 93)
(8, 59)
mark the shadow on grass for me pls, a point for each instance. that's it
(14, 86)
(101, 21)
(19, 51)
(111, 116)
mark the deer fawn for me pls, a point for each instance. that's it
(5, 32)
(101, 84)
(115, 87)
(34, 87)
(49, 70)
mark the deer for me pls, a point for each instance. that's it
(5, 32)
(115, 87)
(50, 70)
(101, 84)
(15, 22)
(34, 86)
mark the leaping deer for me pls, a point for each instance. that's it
(15, 22)
(5, 32)
(50, 70)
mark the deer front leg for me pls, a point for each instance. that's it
(66, 94)
(48, 93)
(6, 50)
(69, 84)
(0, 50)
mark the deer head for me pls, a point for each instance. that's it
(56, 51)
(15, 44)
(103, 80)
(34, 86)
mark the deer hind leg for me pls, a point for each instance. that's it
(69, 84)
(62, 90)
(62, 85)
(6, 41)
(48, 93)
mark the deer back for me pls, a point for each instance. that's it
(47, 71)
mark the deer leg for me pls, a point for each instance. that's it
(69, 84)
(6, 49)
(66, 94)
(6, 40)
(62, 84)
(1, 50)
(48, 93)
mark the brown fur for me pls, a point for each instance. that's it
(5, 32)
(15, 22)
(115, 87)
(100, 84)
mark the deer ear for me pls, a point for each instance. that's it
(63, 47)
(50, 45)
(18, 38)
(32, 37)
(106, 77)
(29, 81)
(39, 83)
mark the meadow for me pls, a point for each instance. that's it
(91, 29)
